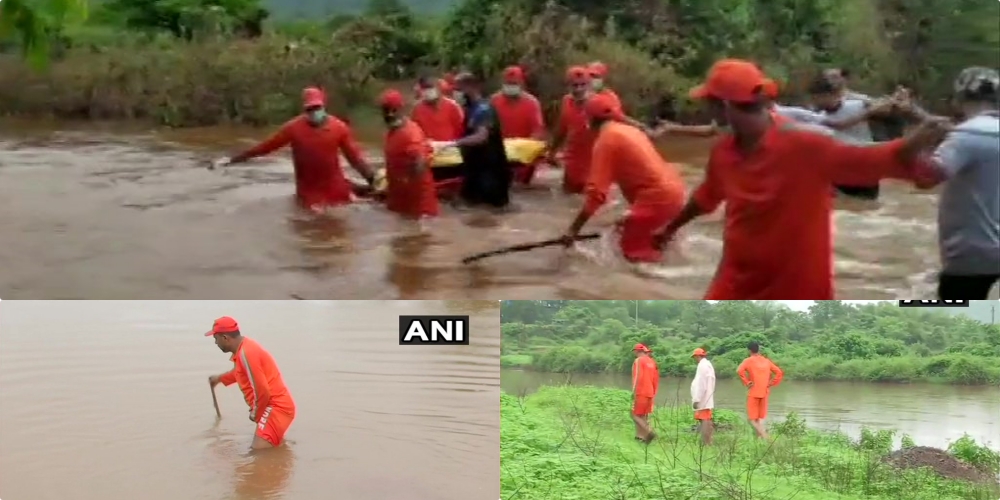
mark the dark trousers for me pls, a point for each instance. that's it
(968, 287)
(488, 186)
(863, 192)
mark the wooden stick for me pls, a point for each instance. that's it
(524, 247)
(215, 402)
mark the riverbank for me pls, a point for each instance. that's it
(955, 369)
(577, 443)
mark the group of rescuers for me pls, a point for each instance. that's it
(757, 373)
(773, 166)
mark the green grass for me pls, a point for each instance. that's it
(515, 360)
(576, 443)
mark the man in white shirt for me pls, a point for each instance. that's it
(703, 395)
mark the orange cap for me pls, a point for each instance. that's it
(699, 352)
(312, 97)
(391, 99)
(577, 74)
(224, 324)
(513, 74)
(733, 80)
(640, 347)
(603, 105)
(597, 69)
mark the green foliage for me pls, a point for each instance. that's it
(36, 23)
(831, 341)
(576, 443)
(969, 451)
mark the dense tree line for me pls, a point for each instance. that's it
(832, 340)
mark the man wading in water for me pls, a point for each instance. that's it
(271, 406)
(645, 383)
(488, 176)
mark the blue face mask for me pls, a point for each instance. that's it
(316, 116)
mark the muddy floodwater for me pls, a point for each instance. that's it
(103, 212)
(110, 400)
(932, 414)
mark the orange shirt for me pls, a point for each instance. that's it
(409, 194)
(579, 138)
(777, 241)
(442, 120)
(645, 377)
(759, 369)
(319, 179)
(520, 117)
(259, 378)
(625, 156)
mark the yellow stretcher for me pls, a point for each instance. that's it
(526, 151)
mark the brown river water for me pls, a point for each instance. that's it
(931, 414)
(110, 400)
(107, 212)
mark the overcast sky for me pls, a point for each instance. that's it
(803, 305)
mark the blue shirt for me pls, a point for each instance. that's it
(969, 208)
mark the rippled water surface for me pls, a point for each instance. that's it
(96, 212)
(110, 400)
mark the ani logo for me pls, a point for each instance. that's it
(434, 330)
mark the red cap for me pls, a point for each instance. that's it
(699, 352)
(224, 324)
(733, 80)
(597, 69)
(603, 105)
(770, 88)
(577, 74)
(513, 74)
(312, 96)
(391, 99)
(640, 347)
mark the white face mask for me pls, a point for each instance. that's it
(511, 90)
(431, 94)
(597, 84)
(458, 96)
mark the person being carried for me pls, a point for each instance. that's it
(441, 119)
(968, 164)
(624, 156)
(271, 406)
(573, 134)
(520, 116)
(488, 176)
(408, 155)
(645, 384)
(756, 373)
(703, 395)
(775, 179)
(317, 139)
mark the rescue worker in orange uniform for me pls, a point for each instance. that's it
(317, 139)
(407, 162)
(271, 406)
(441, 118)
(598, 74)
(520, 116)
(775, 178)
(573, 133)
(645, 383)
(756, 373)
(625, 156)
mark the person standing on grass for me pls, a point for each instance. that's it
(645, 383)
(756, 373)
(703, 395)
(271, 406)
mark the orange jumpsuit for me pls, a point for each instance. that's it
(263, 389)
(578, 145)
(319, 178)
(645, 383)
(410, 195)
(520, 117)
(654, 189)
(777, 240)
(442, 120)
(759, 370)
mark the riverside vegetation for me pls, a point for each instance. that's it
(833, 340)
(204, 62)
(576, 443)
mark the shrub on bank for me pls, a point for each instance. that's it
(576, 443)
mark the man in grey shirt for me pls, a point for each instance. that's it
(968, 163)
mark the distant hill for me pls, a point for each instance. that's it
(985, 311)
(300, 9)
